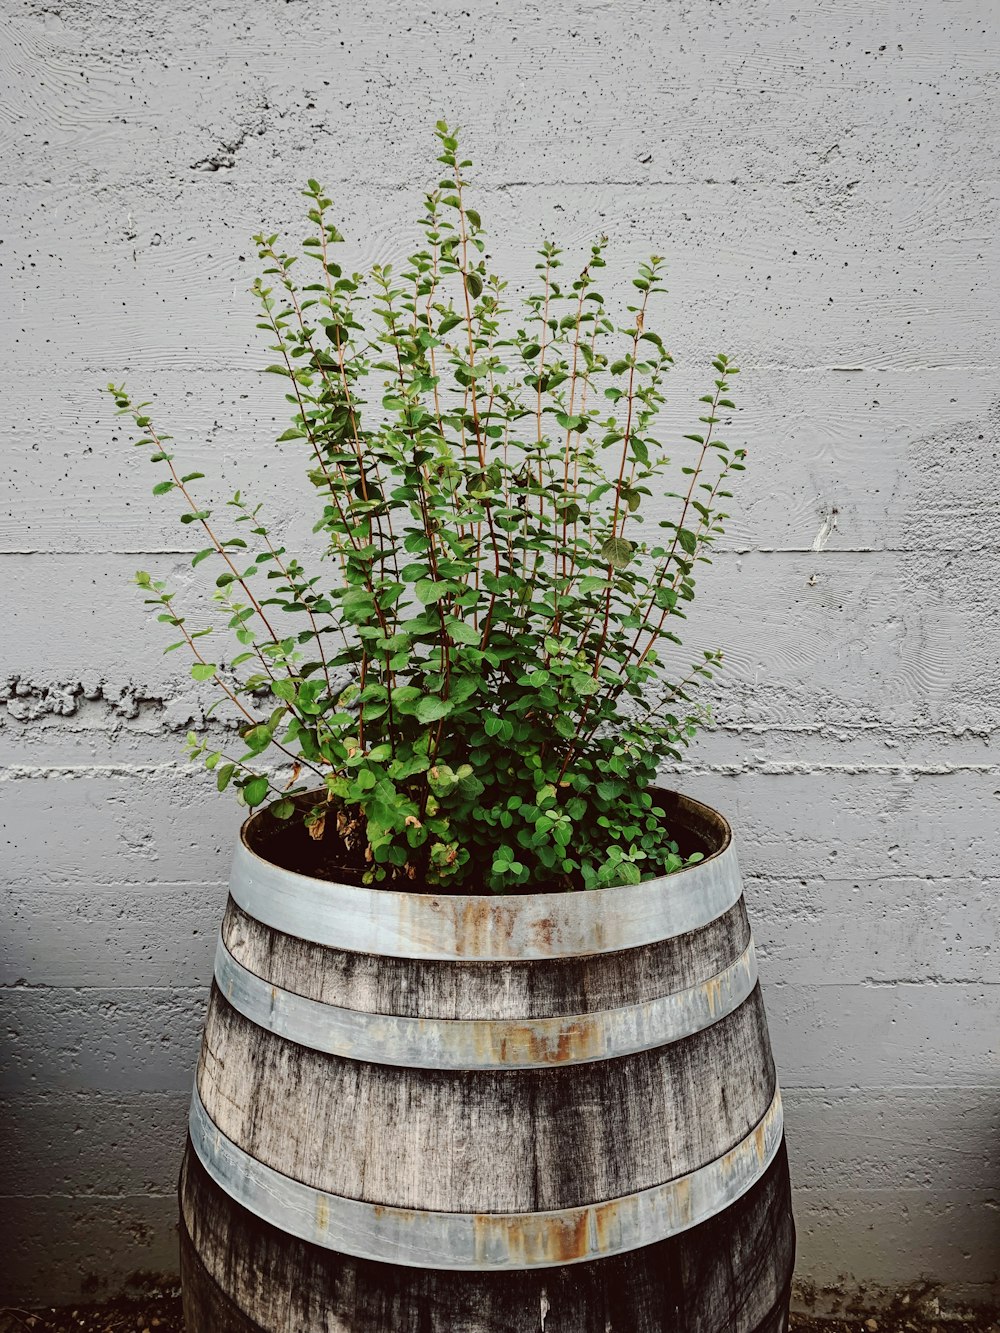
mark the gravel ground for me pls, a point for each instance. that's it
(164, 1314)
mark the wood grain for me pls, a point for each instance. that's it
(486, 1140)
(442, 989)
(729, 1275)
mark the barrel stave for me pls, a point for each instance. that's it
(486, 1140)
(454, 989)
(728, 1275)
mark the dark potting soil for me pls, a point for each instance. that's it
(163, 1315)
(287, 843)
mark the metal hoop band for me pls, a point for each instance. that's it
(527, 1043)
(485, 1241)
(486, 929)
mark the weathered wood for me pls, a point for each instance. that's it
(486, 1140)
(729, 1275)
(577, 1131)
(442, 988)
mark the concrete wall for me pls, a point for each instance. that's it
(824, 178)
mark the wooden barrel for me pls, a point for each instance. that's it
(422, 1113)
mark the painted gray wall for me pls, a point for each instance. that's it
(824, 179)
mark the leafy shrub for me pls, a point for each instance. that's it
(478, 700)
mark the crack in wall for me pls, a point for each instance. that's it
(223, 158)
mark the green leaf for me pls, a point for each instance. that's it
(617, 551)
(162, 487)
(428, 591)
(203, 670)
(309, 695)
(498, 726)
(282, 809)
(688, 540)
(592, 584)
(462, 688)
(256, 791)
(461, 631)
(583, 683)
(257, 739)
(474, 283)
(430, 708)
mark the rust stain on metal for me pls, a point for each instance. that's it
(397, 1216)
(756, 1142)
(607, 1224)
(497, 928)
(681, 1198)
(760, 1141)
(581, 1038)
(543, 933)
(533, 1238)
(713, 993)
(552, 1239)
(482, 925)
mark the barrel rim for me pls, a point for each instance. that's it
(495, 927)
(685, 802)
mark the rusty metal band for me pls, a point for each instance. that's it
(487, 929)
(445, 1043)
(484, 1241)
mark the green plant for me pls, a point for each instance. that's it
(498, 613)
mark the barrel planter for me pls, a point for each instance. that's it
(423, 1113)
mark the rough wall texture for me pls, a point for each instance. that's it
(825, 180)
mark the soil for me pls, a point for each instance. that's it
(163, 1313)
(286, 843)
